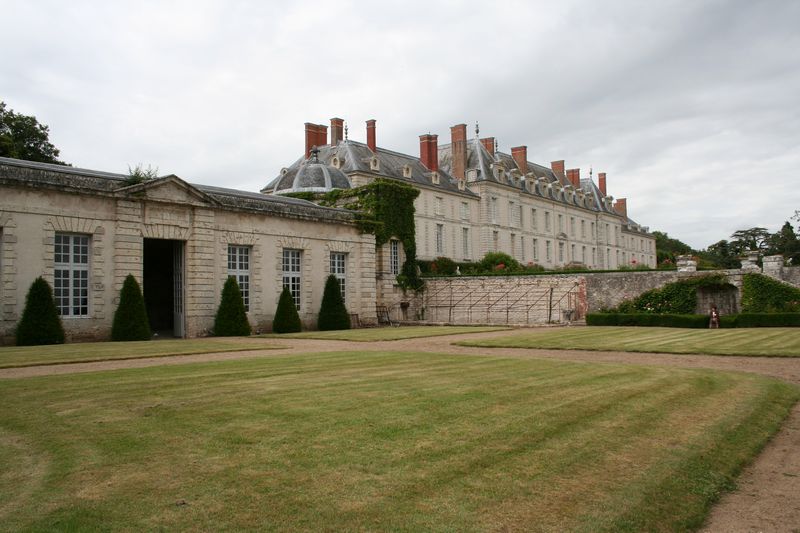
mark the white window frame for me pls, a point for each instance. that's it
(533, 220)
(292, 264)
(394, 257)
(438, 206)
(239, 267)
(464, 211)
(338, 265)
(71, 254)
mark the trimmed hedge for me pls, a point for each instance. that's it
(762, 294)
(40, 323)
(743, 320)
(333, 314)
(647, 320)
(286, 318)
(231, 318)
(130, 318)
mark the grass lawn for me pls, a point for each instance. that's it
(386, 334)
(17, 356)
(378, 441)
(780, 342)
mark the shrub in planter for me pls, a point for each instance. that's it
(130, 318)
(40, 323)
(231, 319)
(333, 314)
(286, 318)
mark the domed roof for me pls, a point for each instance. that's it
(312, 176)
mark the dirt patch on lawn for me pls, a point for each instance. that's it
(768, 493)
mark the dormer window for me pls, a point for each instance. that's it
(472, 174)
(461, 185)
(375, 164)
(406, 171)
(435, 178)
(336, 162)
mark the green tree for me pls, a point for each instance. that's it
(668, 249)
(720, 254)
(744, 240)
(22, 137)
(40, 323)
(286, 318)
(333, 314)
(231, 319)
(785, 242)
(130, 318)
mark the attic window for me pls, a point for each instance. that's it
(407, 171)
(435, 178)
(472, 174)
(336, 162)
(461, 185)
(375, 164)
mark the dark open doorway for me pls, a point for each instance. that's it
(163, 286)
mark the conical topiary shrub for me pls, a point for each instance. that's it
(333, 313)
(40, 323)
(130, 318)
(286, 318)
(231, 319)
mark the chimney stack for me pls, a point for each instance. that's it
(458, 146)
(558, 168)
(337, 130)
(488, 143)
(621, 206)
(371, 134)
(574, 177)
(322, 135)
(311, 137)
(429, 151)
(520, 155)
(601, 177)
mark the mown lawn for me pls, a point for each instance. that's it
(17, 356)
(378, 441)
(778, 342)
(386, 334)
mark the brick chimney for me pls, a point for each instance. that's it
(322, 135)
(311, 137)
(371, 134)
(574, 177)
(557, 167)
(488, 143)
(601, 178)
(337, 130)
(621, 207)
(458, 146)
(520, 155)
(429, 151)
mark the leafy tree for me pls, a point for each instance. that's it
(785, 242)
(668, 249)
(333, 314)
(130, 318)
(22, 137)
(744, 240)
(231, 318)
(139, 174)
(40, 323)
(720, 254)
(286, 318)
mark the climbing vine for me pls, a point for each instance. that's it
(384, 208)
(679, 297)
(761, 294)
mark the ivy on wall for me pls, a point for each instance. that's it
(762, 294)
(679, 297)
(384, 208)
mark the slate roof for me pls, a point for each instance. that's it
(80, 180)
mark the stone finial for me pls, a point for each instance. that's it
(750, 261)
(686, 263)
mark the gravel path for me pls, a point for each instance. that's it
(768, 493)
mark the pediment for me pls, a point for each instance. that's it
(170, 189)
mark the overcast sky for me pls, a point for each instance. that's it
(691, 107)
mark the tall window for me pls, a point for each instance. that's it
(71, 274)
(592, 228)
(521, 216)
(464, 211)
(291, 273)
(495, 240)
(493, 209)
(583, 229)
(572, 226)
(561, 223)
(437, 206)
(594, 256)
(547, 220)
(561, 252)
(548, 250)
(239, 268)
(513, 245)
(394, 257)
(339, 269)
(522, 247)
(533, 219)
(439, 238)
(535, 249)
(583, 254)
(465, 242)
(512, 212)
(572, 252)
